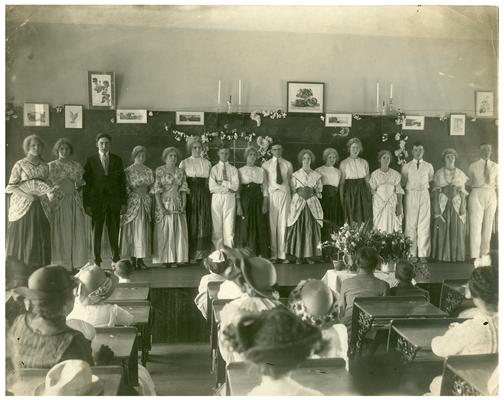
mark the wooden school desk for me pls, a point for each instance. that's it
(412, 337)
(131, 291)
(123, 342)
(378, 312)
(468, 375)
(28, 379)
(452, 298)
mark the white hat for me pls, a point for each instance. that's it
(70, 378)
(483, 261)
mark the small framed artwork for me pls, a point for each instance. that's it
(73, 116)
(101, 86)
(190, 118)
(484, 103)
(457, 124)
(131, 116)
(35, 114)
(413, 123)
(338, 120)
(305, 97)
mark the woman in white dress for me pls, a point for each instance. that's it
(170, 228)
(305, 215)
(199, 213)
(70, 226)
(135, 236)
(387, 192)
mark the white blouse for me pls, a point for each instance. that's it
(196, 167)
(253, 175)
(354, 168)
(330, 175)
(101, 315)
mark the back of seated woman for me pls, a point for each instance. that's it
(40, 338)
(277, 341)
(95, 286)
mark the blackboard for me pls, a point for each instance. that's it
(295, 132)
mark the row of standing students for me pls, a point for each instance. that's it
(196, 204)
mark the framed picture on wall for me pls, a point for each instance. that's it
(338, 120)
(457, 124)
(189, 118)
(35, 114)
(305, 97)
(413, 123)
(484, 103)
(131, 116)
(101, 86)
(73, 116)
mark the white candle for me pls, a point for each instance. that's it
(377, 95)
(218, 92)
(391, 91)
(239, 91)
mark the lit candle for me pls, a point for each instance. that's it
(218, 92)
(391, 91)
(377, 95)
(239, 92)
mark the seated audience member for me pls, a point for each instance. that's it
(41, 338)
(315, 303)
(95, 286)
(123, 269)
(277, 341)
(365, 284)
(405, 273)
(230, 289)
(16, 275)
(256, 277)
(216, 264)
(478, 335)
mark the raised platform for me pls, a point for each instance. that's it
(288, 274)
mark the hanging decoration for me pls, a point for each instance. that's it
(274, 114)
(401, 153)
(343, 132)
(10, 112)
(264, 147)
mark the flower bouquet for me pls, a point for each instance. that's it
(345, 242)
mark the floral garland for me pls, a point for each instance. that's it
(401, 153)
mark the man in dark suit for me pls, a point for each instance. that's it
(105, 195)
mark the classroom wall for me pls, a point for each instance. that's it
(174, 69)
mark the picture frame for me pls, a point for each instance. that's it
(36, 114)
(101, 88)
(457, 124)
(131, 116)
(338, 120)
(484, 103)
(73, 116)
(413, 123)
(305, 97)
(189, 118)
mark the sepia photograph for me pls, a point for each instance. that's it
(251, 200)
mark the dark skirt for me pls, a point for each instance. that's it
(252, 231)
(357, 202)
(199, 217)
(29, 238)
(331, 205)
(304, 237)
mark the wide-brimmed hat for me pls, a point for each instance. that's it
(97, 283)
(315, 303)
(276, 337)
(70, 378)
(47, 283)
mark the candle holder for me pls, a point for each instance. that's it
(391, 107)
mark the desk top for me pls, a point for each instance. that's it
(459, 286)
(421, 332)
(129, 294)
(139, 309)
(474, 369)
(393, 307)
(332, 380)
(120, 340)
(27, 380)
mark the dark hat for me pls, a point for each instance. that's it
(276, 337)
(47, 283)
(16, 273)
